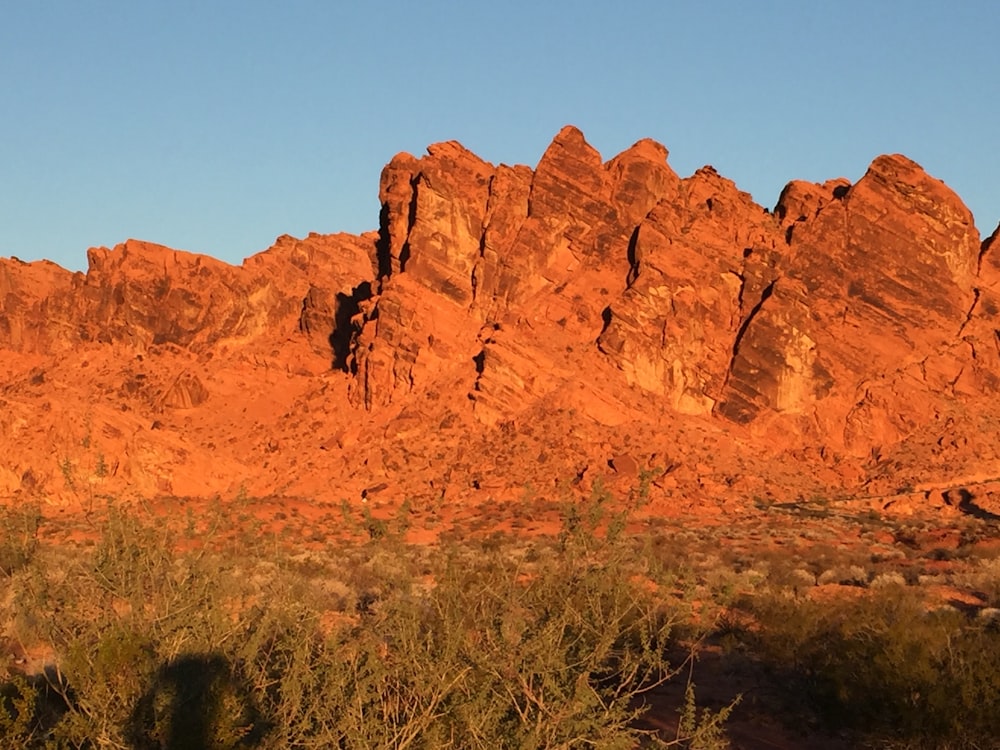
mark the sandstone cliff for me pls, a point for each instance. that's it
(576, 311)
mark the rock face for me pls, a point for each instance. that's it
(702, 261)
(608, 297)
(31, 295)
(843, 310)
(469, 248)
(878, 286)
(142, 294)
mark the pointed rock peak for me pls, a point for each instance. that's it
(913, 187)
(569, 133)
(455, 159)
(96, 256)
(895, 166)
(647, 149)
(569, 143)
(282, 244)
(708, 178)
(903, 175)
(451, 150)
(707, 181)
(448, 159)
(404, 161)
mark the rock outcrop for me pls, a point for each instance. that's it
(611, 302)
(702, 262)
(468, 248)
(141, 294)
(855, 331)
(842, 309)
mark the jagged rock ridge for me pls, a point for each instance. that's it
(611, 297)
(845, 309)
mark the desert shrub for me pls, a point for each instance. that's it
(844, 575)
(455, 649)
(888, 580)
(981, 577)
(18, 536)
(113, 616)
(29, 709)
(500, 653)
(884, 666)
(18, 715)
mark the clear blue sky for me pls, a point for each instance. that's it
(217, 125)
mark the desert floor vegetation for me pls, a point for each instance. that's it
(152, 636)
(564, 622)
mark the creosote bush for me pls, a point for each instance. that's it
(154, 640)
(884, 665)
(18, 537)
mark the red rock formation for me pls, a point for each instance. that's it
(494, 245)
(702, 260)
(821, 313)
(878, 282)
(507, 317)
(143, 294)
(977, 350)
(30, 295)
(91, 360)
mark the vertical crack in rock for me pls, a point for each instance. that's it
(606, 316)
(347, 325)
(383, 246)
(765, 295)
(633, 261)
(480, 362)
(972, 309)
(477, 267)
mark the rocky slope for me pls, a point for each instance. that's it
(510, 330)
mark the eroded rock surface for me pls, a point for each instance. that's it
(506, 321)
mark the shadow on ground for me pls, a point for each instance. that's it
(196, 702)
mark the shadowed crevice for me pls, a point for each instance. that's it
(741, 333)
(633, 261)
(411, 219)
(383, 245)
(963, 499)
(346, 308)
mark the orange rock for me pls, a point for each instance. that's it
(512, 328)
(879, 280)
